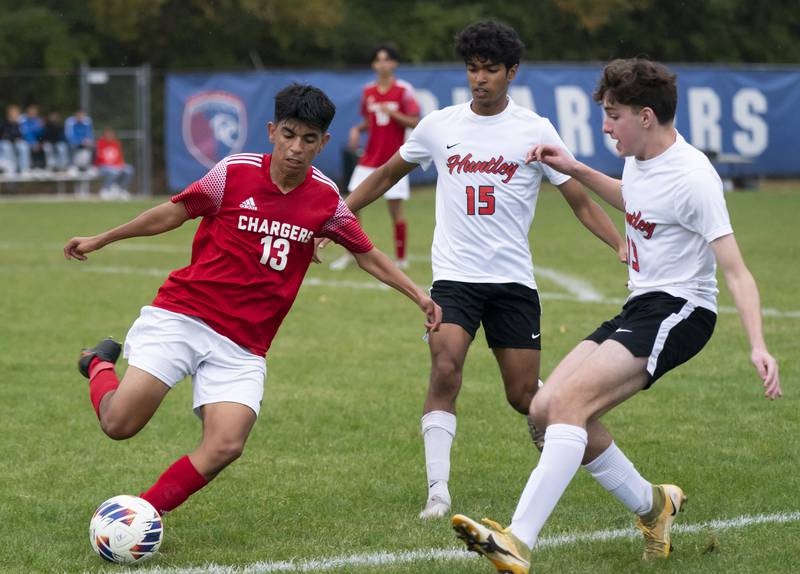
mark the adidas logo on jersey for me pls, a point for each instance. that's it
(248, 204)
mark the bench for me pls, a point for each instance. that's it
(80, 181)
(732, 177)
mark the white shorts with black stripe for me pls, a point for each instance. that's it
(667, 330)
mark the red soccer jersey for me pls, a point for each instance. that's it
(109, 153)
(253, 247)
(385, 135)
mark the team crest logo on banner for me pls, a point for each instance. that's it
(214, 126)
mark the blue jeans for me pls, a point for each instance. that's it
(116, 175)
(56, 155)
(15, 156)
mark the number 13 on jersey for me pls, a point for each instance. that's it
(281, 246)
(482, 202)
(633, 255)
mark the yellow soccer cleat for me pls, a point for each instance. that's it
(668, 500)
(507, 552)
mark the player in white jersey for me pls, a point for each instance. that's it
(677, 228)
(485, 201)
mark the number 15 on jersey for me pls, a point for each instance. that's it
(482, 202)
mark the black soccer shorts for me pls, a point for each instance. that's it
(510, 312)
(667, 330)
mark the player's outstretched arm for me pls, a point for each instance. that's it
(379, 182)
(608, 188)
(381, 267)
(155, 220)
(593, 217)
(745, 294)
(405, 120)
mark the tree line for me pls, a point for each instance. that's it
(43, 42)
(240, 34)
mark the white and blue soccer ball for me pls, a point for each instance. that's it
(126, 529)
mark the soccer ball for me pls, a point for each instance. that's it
(126, 529)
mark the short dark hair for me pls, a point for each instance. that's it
(304, 103)
(492, 41)
(640, 83)
(389, 48)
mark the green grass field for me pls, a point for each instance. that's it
(335, 466)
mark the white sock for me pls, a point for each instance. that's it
(617, 475)
(438, 431)
(564, 446)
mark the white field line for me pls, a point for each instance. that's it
(579, 290)
(131, 247)
(576, 295)
(444, 555)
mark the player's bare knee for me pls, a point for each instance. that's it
(539, 409)
(520, 400)
(445, 377)
(118, 428)
(563, 407)
(225, 452)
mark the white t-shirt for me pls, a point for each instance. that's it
(674, 207)
(485, 194)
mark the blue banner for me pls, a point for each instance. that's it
(745, 115)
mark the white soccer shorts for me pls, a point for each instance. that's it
(400, 190)
(171, 346)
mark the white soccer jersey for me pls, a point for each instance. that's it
(674, 207)
(485, 194)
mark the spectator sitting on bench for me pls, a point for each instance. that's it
(54, 143)
(80, 137)
(115, 172)
(31, 126)
(15, 155)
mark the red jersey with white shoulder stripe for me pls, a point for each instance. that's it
(385, 134)
(253, 247)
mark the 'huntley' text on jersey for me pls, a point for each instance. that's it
(494, 165)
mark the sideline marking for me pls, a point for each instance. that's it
(394, 558)
(579, 297)
(580, 290)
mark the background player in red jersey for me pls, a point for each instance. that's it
(388, 107)
(215, 318)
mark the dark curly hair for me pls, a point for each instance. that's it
(304, 103)
(492, 41)
(640, 83)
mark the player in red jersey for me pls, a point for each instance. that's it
(215, 318)
(388, 107)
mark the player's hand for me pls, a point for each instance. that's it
(622, 253)
(319, 244)
(767, 368)
(551, 155)
(433, 314)
(78, 247)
